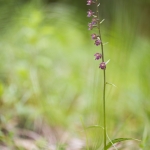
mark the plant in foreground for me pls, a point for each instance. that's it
(95, 23)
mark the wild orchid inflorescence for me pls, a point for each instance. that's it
(95, 24)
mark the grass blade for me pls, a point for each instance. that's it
(118, 140)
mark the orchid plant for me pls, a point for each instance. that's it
(96, 23)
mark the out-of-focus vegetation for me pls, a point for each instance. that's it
(51, 86)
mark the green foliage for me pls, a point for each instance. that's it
(48, 73)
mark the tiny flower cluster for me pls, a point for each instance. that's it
(91, 25)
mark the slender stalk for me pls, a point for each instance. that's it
(104, 77)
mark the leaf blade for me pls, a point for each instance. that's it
(118, 140)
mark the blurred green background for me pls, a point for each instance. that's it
(51, 86)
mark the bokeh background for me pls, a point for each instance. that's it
(51, 86)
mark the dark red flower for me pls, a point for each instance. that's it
(89, 2)
(102, 65)
(94, 21)
(97, 42)
(90, 26)
(94, 36)
(97, 56)
(90, 13)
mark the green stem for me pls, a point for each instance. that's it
(104, 76)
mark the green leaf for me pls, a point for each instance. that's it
(94, 16)
(118, 140)
(98, 5)
(111, 84)
(102, 21)
(107, 62)
(105, 43)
